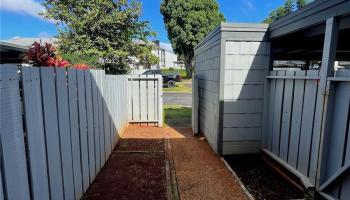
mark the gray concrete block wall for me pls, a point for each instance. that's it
(207, 65)
(246, 65)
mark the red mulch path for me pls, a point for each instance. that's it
(135, 170)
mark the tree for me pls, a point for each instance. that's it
(288, 7)
(187, 23)
(301, 3)
(105, 31)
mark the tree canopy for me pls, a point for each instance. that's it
(288, 7)
(108, 32)
(187, 23)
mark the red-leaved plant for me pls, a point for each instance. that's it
(44, 55)
(81, 66)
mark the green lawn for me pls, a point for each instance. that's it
(176, 112)
(181, 72)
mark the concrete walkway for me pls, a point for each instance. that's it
(144, 161)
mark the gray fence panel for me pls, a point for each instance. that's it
(2, 196)
(64, 130)
(72, 118)
(11, 136)
(277, 113)
(135, 99)
(270, 121)
(345, 194)
(115, 91)
(84, 152)
(297, 112)
(151, 100)
(52, 132)
(307, 123)
(286, 116)
(35, 133)
(74, 122)
(100, 78)
(143, 99)
(90, 125)
(106, 117)
(111, 113)
(95, 93)
(338, 131)
(346, 181)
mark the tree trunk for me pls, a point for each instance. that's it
(188, 66)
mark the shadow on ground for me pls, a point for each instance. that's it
(138, 167)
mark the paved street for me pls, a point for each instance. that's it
(177, 99)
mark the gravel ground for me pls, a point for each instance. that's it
(200, 173)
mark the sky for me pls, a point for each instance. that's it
(20, 18)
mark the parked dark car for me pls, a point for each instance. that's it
(168, 79)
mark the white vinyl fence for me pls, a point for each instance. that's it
(146, 99)
(58, 127)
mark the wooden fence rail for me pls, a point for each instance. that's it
(58, 128)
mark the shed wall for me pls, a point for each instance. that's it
(207, 66)
(246, 65)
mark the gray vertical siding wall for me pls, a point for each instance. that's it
(231, 64)
(246, 65)
(207, 68)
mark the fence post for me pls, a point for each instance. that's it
(328, 58)
(160, 101)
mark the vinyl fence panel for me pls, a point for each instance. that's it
(65, 134)
(11, 134)
(72, 121)
(90, 125)
(100, 77)
(52, 132)
(35, 133)
(74, 127)
(95, 93)
(83, 129)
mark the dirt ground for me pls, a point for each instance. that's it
(200, 173)
(261, 181)
(137, 168)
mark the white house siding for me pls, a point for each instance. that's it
(246, 65)
(169, 59)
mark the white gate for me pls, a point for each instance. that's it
(146, 99)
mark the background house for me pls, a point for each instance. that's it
(167, 59)
(11, 53)
(165, 53)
